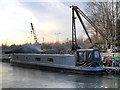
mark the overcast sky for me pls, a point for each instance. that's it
(48, 18)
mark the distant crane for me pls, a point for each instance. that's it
(35, 37)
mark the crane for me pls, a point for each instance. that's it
(78, 13)
(74, 39)
(83, 55)
(35, 37)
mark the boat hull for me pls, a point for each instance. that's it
(59, 69)
(53, 62)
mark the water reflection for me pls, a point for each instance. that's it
(17, 77)
(0, 75)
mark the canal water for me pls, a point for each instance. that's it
(18, 77)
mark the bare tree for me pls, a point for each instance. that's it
(104, 14)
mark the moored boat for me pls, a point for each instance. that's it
(84, 61)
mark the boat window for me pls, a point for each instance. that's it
(17, 57)
(89, 56)
(37, 59)
(50, 59)
(96, 53)
(81, 55)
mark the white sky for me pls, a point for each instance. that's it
(48, 18)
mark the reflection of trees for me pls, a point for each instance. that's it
(111, 81)
(88, 81)
(97, 81)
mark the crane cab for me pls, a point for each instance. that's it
(88, 58)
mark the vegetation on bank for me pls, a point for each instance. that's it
(57, 47)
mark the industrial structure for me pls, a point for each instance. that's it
(34, 34)
(74, 39)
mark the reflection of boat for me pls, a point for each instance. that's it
(89, 64)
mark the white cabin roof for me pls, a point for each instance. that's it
(86, 49)
(44, 54)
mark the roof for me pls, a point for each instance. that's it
(86, 49)
(32, 54)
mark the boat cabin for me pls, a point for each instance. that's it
(88, 58)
